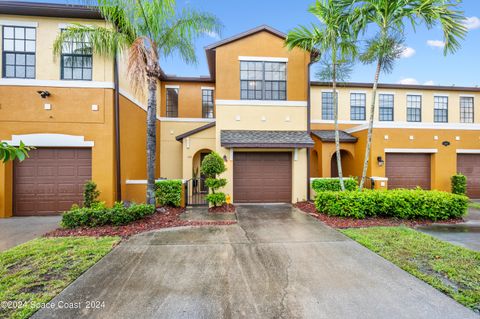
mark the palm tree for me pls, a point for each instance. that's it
(333, 38)
(389, 18)
(146, 30)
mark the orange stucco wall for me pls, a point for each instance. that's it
(262, 44)
(22, 112)
(189, 98)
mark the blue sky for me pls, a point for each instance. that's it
(424, 62)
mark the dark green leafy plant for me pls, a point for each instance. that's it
(90, 194)
(400, 203)
(333, 184)
(459, 184)
(9, 152)
(213, 165)
(169, 192)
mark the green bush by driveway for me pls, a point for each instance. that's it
(451, 269)
(333, 184)
(35, 272)
(400, 203)
(169, 192)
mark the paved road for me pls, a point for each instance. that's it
(17, 230)
(276, 263)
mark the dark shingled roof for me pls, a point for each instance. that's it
(265, 139)
(194, 131)
(329, 136)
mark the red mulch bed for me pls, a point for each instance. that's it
(227, 208)
(169, 218)
(345, 222)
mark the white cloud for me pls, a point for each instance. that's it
(472, 23)
(408, 81)
(213, 34)
(435, 43)
(407, 52)
(429, 82)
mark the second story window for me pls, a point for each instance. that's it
(357, 106)
(19, 52)
(414, 108)
(440, 109)
(207, 104)
(76, 63)
(386, 107)
(466, 109)
(172, 102)
(263, 80)
(327, 106)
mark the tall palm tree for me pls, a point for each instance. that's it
(333, 38)
(146, 30)
(388, 17)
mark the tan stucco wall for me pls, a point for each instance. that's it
(400, 103)
(48, 65)
(262, 44)
(22, 112)
(192, 146)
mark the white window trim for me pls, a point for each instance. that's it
(260, 103)
(411, 150)
(358, 92)
(51, 140)
(16, 23)
(414, 94)
(320, 121)
(417, 125)
(262, 59)
(172, 86)
(186, 119)
(385, 93)
(57, 83)
(211, 88)
(468, 151)
(441, 95)
(467, 95)
(379, 178)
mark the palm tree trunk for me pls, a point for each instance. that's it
(335, 119)
(370, 125)
(151, 138)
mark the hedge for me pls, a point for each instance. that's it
(169, 192)
(400, 203)
(459, 184)
(333, 184)
(99, 215)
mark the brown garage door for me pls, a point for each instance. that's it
(469, 165)
(408, 170)
(262, 177)
(50, 180)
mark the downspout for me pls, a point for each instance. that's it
(116, 111)
(308, 124)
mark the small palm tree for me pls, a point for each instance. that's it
(334, 39)
(389, 18)
(146, 30)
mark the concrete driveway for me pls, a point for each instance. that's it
(17, 230)
(276, 263)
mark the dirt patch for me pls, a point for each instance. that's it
(165, 217)
(35, 289)
(227, 208)
(345, 222)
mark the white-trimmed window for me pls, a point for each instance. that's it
(172, 102)
(207, 104)
(18, 52)
(76, 60)
(386, 107)
(414, 108)
(327, 106)
(261, 80)
(357, 106)
(440, 109)
(466, 109)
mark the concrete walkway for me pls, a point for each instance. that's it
(17, 230)
(276, 263)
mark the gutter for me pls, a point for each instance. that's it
(313, 58)
(116, 111)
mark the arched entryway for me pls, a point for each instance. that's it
(196, 186)
(347, 164)
(314, 167)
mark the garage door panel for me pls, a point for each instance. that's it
(408, 170)
(262, 177)
(50, 180)
(469, 165)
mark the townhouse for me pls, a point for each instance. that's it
(253, 108)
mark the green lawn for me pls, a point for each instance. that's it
(38, 270)
(451, 269)
(474, 205)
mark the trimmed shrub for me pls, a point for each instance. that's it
(212, 166)
(99, 215)
(400, 203)
(90, 194)
(216, 199)
(333, 184)
(459, 184)
(169, 192)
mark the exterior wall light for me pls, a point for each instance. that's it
(225, 158)
(380, 161)
(44, 94)
(445, 143)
